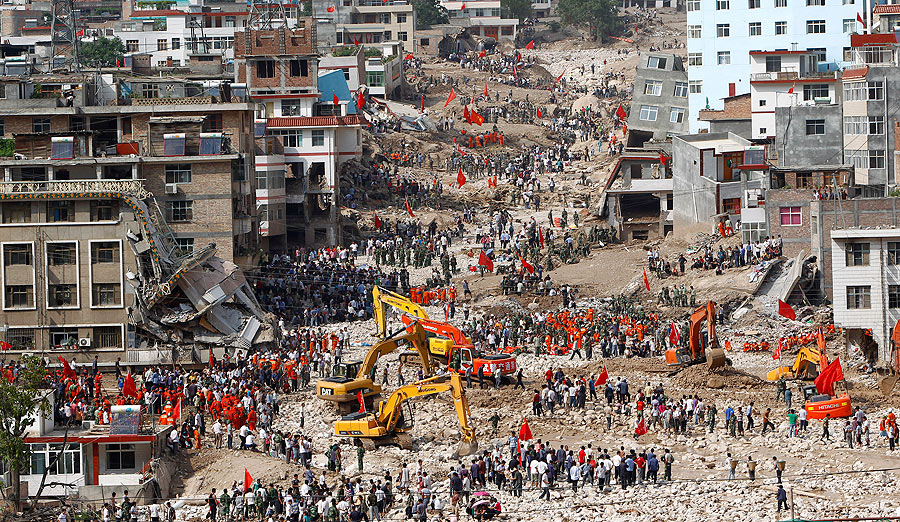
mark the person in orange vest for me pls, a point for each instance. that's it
(501, 140)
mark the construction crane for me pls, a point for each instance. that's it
(356, 378)
(393, 420)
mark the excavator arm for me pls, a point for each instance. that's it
(382, 298)
(417, 337)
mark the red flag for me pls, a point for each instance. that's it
(646, 281)
(525, 430)
(558, 78)
(466, 115)
(462, 7)
(377, 222)
(791, 90)
(785, 310)
(129, 389)
(482, 54)
(777, 353)
(118, 63)
(820, 340)
(830, 375)
(539, 113)
(423, 103)
(525, 265)
(67, 370)
(176, 413)
(515, 72)
(674, 334)
(530, 45)
(486, 91)
(602, 378)
(859, 19)
(248, 480)
(451, 97)
(409, 209)
(362, 403)
(360, 100)
(541, 236)
(641, 428)
(624, 130)
(355, 41)
(212, 360)
(460, 178)
(330, 9)
(5, 346)
(335, 99)
(663, 159)
(409, 56)
(620, 112)
(476, 118)
(485, 261)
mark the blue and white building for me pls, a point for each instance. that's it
(722, 33)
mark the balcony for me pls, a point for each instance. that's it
(131, 187)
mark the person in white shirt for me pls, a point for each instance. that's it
(154, 512)
(250, 442)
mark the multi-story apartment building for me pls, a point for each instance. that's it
(280, 70)
(481, 18)
(365, 21)
(722, 33)
(660, 104)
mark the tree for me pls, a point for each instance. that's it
(102, 52)
(21, 401)
(520, 9)
(601, 16)
(429, 12)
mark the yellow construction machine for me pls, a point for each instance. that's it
(343, 389)
(393, 419)
(806, 366)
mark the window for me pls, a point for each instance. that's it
(773, 64)
(210, 143)
(722, 5)
(403, 36)
(2, 127)
(656, 62)
(120, 457)
(857, 254)
(179, 211)
(106, 294)
(753, 4)
(876, 91)
(173, 144)
(318, 138)
(677, 115)
(780, 3)
(681, 89)
(299, 68)
(61, 295)
(780, 27)
(864, 91)
(694, 31)
(40, 124)
(60, 254)
(20, 338)
(19, 296)
(859, 297)
(815, 127)
(868, 125)
(108, 336)
(17, 255)
(265, 69)
(894, 296)
(723, 30)
(813, 91)
(150, 90)
(58, 211)
(695, 86)
(104, 210)
(375, 78)
(814, 3)
(731, 206)
(401, 19)
(132, 46)
(162, 44)
(185, 244)
(815, 27)
(62, 147)
(723, 57)
(178, 173)
(653, 88)
(849, 25)
(893, 252)
(762, 103)
(176, 43)
(17, 212)
(755, 28)
(289, 138)
(69, 463)
(790, 216)
(693, 5)
(104, 252)
(649, 112)
(695, 59)
(876, 159)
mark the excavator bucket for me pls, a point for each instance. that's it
(466, 448)
(886, 384)
(715, 358)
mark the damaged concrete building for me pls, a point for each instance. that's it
(638, 195)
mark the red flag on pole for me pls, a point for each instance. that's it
(451, 97)
(409, 56)
(330, 9)
(859, 19)
(423, 103)
(539, 113)
(646, 281)
(641, 428)
(602, 378)
(355, 41)
(212, 359)
(777, 353)
(377, 222)
(663, 159)
(486, 91)
(409, 209)
(620, 112)
(785, 310)
(485, 261)
(674, 334)
(248, 480)
(460, 178)
(791, 90)
(541, 237)
(526, 265)
(362, 402)
(482, 54)
(530, 45)
(830, 375)
(466, 115)
(462, 7)
(525, 430)
(476, 118)
(360, 100)
(176, 413)
(67, 370)
(129, 389)
(558, 78)
(335, 99)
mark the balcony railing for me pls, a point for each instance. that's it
(131, 187)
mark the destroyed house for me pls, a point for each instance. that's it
(639, 197)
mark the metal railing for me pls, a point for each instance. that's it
(131, 187)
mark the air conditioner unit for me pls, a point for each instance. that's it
(171, 188)
(84, 342)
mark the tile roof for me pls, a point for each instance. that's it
(855, 73)
(887, 9)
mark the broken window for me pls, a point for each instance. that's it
(265, 69)
(179, 211)
(62, 295)
(108, 337)
(17, 212)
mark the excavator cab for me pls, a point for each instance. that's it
(346, 369)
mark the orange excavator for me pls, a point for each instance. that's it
(886, 384)
(703, 345)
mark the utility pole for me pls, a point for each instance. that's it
(63, 37)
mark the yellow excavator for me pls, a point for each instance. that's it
(343, 389)
(806, 366)
(393, 419)
(381, 297)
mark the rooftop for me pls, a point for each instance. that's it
(736, 108)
